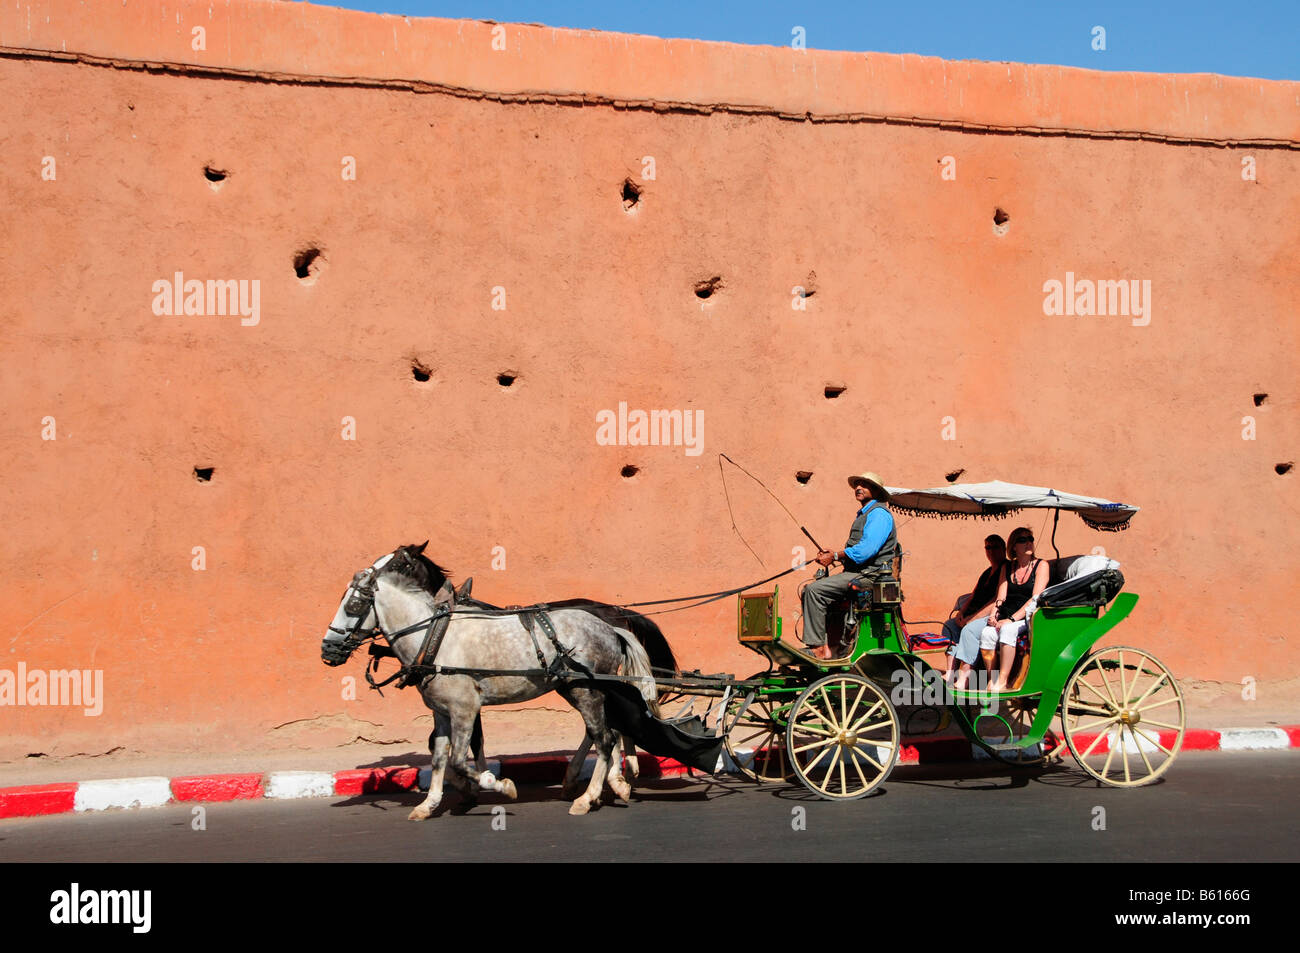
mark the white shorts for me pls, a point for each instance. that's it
(1007, 635)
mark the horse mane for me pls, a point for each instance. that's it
(419, 569)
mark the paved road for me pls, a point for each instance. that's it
(1214, 807)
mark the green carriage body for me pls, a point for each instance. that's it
(1109, 700)
(1061, 637)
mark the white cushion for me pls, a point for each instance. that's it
(1089, 564)
(1075, 566)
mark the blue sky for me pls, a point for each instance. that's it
(1241, 38)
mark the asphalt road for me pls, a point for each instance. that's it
(1213, 807)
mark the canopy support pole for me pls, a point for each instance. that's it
(1056, 518)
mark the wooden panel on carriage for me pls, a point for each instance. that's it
(758, 621)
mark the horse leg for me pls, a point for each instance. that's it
(623, 767)
(618, 784)
(570, 788)
(480, 761)
(591, 705)
(467, 779)
(438, 742)
(633, 766)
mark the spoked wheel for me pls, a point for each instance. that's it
(843, 737)
(1002, 728)
(1123, 716)
(755, 739)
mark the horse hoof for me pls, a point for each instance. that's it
(508, 788)
(622, 790)
(580, 807)
(419, 814)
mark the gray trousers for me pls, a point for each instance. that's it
(819, 594)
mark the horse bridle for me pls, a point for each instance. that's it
(337, 647)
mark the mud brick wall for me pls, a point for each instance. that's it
(459, 243)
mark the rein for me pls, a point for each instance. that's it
(425, 665)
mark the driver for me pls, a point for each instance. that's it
(869, 550)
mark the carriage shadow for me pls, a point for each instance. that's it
(649, 789)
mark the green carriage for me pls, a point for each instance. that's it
(839, 726)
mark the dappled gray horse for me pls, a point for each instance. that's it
(650, 637)
(402, 588)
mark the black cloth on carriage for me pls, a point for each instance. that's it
(685, 741)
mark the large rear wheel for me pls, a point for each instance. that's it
(1123, 716)
(843, 737)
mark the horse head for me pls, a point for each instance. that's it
(355, 621)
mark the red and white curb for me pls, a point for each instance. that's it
(102, 795)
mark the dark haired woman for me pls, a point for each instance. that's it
(1022, 579)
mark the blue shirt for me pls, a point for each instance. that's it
(874, 533)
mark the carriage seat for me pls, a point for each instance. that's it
(1092, 589)
(1071, 567)
(863, 600)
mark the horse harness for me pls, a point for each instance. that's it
(425, 665)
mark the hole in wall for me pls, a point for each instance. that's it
(214, 175)
(307, 264)
(954, 476)
(810, 284)
(1259, 399)
(629, 471)
(1283, 468)
(706, 288)
(631, 195)
(803, 476)
(419, 371)
(203, 474)
(1000, 216)
(507, 378)
(833, 391)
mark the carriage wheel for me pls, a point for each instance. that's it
(1123, 716)
(1009, 723)
(843, 737)
(755, 740)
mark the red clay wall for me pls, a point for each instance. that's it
(479, 168)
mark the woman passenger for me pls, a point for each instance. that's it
(1022, 579)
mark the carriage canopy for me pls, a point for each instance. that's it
(997, 499)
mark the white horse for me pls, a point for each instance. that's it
(493, 660)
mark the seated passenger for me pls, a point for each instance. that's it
(1023, 578)
(972, 610)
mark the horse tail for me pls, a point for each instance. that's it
(637, 669)
(652, 639)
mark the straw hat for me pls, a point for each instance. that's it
(872, 482)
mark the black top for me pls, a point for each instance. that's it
(1017, 593)
(984, 590)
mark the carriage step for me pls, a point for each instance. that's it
(1030, 751)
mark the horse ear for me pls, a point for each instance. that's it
(420, 549)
